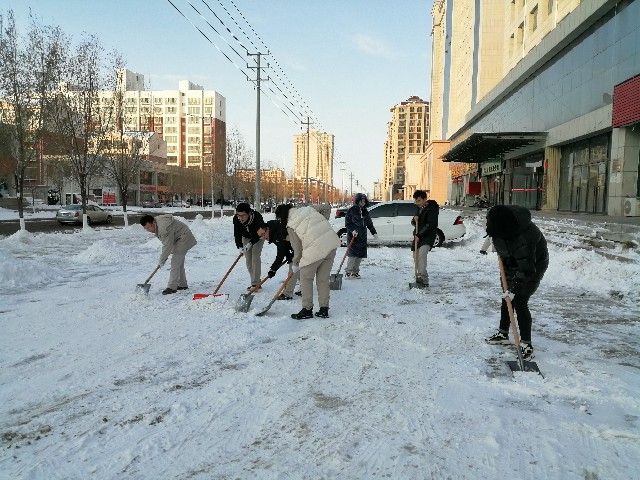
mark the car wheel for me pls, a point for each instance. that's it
(109, 219)
(439, 239)
(88, 220)
(343, 237)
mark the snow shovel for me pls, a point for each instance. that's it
(244, 302)
(275, 297)
(335, 280)
(520, 365)
(198, 296)
(144, 287)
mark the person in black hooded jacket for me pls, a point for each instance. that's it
(272, 232)
(357, 221)
(523, 249)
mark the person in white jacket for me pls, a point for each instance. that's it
(314, 247)
(177, 240)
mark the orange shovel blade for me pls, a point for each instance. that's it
(198, 296)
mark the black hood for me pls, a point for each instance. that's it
(507, 221)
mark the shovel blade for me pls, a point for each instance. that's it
(335, 281)
(244, 303)
(198, 296)
(514, 365)
(143, 288)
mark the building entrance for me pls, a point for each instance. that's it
(583, 176)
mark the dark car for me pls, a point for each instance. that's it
(341, 212)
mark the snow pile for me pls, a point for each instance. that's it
(106, 252)
(23, 273)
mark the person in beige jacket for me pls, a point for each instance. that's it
(177, 240)
(314, 247)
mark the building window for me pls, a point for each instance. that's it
(170, 101)
(534, 19)
(194, 110)
(550, 7)
(193, 130)
(193, 101)
(520, 38)
(171, 110)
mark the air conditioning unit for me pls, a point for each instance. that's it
(631, 207)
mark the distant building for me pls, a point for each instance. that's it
(313, 159)
(407, 133)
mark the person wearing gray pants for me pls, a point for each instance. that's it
(177, 240)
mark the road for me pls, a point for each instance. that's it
(48, 225)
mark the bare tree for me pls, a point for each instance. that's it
(27, 66)
(239, 157)
(79, 119)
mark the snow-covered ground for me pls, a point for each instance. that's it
(98, 381)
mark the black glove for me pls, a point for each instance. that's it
(272, 273)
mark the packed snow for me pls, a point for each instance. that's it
(101, 381)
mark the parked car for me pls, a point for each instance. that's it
(73, 214)
(152, 204)
(393, 224)
(342, 211)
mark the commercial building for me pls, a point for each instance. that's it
(538, 100)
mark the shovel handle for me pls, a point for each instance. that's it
(255, 289)
(505, 287)
(353, 239)
(284, 284)
(152, 274)
(228, 272)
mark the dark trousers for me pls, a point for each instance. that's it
(521, 307)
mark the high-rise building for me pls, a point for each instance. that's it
(407, 133)
(190, 119)
(313, 159)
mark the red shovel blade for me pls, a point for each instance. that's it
(198, 296)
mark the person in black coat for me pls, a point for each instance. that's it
(523, 249)
(357, 221)
(272, 232)
(246, 222)
(425, 231)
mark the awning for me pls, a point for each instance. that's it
(480, 147)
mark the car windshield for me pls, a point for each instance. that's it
(72, 207)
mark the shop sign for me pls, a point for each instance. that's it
(147, 188)
(489, 168)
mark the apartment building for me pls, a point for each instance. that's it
(541, 118)
(407, 134)
(191, 120)
(313, 159)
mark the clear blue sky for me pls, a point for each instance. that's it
(350, 61)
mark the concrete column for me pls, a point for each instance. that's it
(551, 182)
(623, 168)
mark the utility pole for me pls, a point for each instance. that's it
(343, 165)
(306, 192)
(351, 178)
(257, 201)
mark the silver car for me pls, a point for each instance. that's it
(73, 214)
(392, 221)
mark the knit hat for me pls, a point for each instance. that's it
(507, 221)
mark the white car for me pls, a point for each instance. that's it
(392, 221)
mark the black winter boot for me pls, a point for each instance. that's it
(323, 312)
(303, 314)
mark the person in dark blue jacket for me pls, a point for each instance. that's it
(523, 249)
(357, 221)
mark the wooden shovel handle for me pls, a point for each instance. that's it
(227, 274)
(284, 284)
(353, 239)
(152, 274)
(255, 289)
(505, 288)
